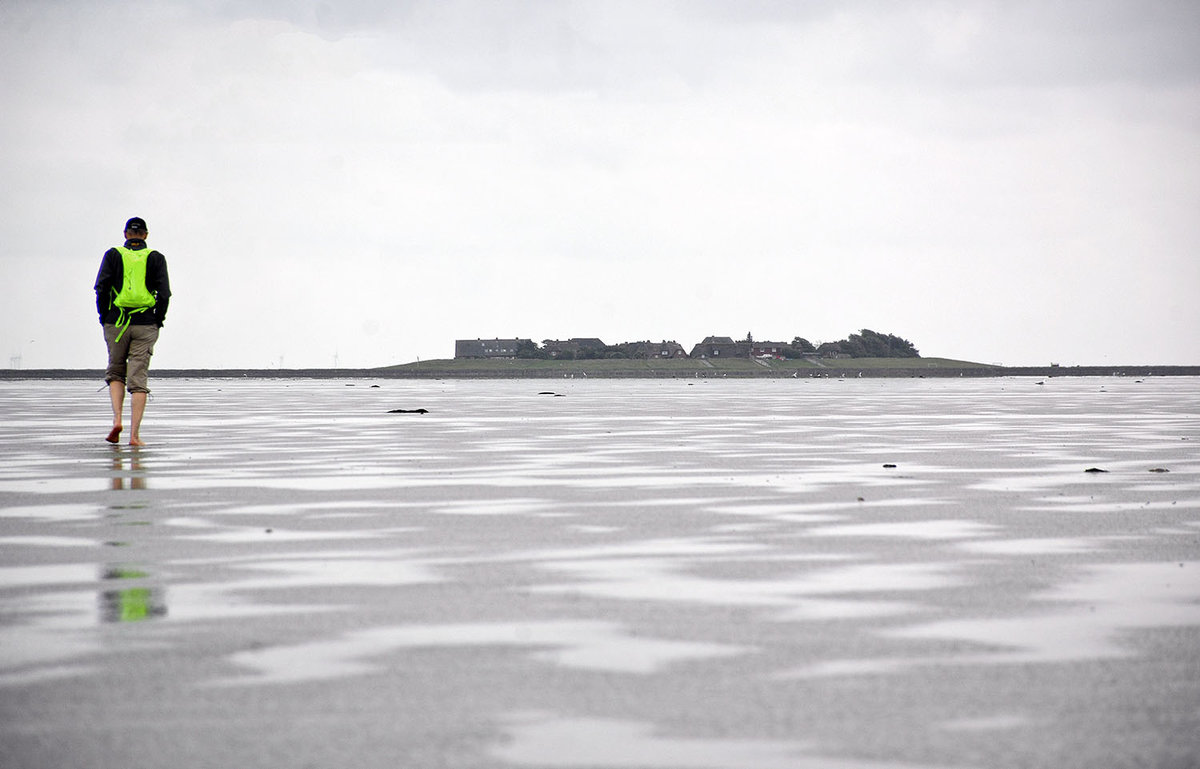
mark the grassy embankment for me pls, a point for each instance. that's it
(686, 367)
(646, 369)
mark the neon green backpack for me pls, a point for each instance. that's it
(133, 297)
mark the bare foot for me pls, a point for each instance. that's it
(136, 442)
(115, 435)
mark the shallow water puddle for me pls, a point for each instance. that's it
(1044, 546)
(336, 572)
(68, 512)
(45, 575)
(999, 722)
(664, 580)
(47, 541)
(1190, 504)
(534, 739)
(1083, 619)
(587, 645)
(942, 529)
(712, 547)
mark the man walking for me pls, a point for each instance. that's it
(132, 293)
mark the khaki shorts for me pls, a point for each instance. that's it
(129, 359)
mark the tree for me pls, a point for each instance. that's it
(798, 347)
(871, 344)
(803, 345)
(529, 349)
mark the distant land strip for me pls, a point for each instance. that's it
(906, 368)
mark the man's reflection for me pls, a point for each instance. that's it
(130, 604)
(133, 478)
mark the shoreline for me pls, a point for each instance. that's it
(566, 369)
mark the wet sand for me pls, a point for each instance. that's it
(633, 573)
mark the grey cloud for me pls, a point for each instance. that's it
(330, 20)
(1001, 43)
(1073, 43)
(544, 45)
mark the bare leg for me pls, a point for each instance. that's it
(137, 408)
(116, 393)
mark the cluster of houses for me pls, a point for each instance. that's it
(711, 347)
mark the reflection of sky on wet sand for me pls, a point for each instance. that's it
(1096, 608)
(542, 740)
(649, 573)
(654, 580)
(588, 645)
(1089, 623)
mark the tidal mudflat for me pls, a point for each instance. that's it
(574, 573)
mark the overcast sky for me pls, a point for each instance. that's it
(365, 181)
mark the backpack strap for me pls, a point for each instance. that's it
(124, 318)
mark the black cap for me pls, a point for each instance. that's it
(136, 223)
